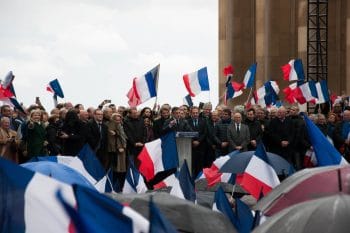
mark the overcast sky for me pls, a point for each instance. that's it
(96, 47)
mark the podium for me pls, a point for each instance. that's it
(184, 147)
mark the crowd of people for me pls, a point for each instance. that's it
(118, 134)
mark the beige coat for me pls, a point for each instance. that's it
(8, 144)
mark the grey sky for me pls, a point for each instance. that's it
(95, 48)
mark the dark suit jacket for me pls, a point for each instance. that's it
(182, 126)
(97, 140)
(201, 128)
(238, 139)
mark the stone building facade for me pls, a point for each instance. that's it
(272, 32)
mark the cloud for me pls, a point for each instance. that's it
(95, 48)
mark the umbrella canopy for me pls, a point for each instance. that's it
(183, 214)
(326, 215)
(59, 172)
(237, 163)
(305, 185)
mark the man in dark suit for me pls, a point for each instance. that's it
(158, 123)
(238, 134)
(133, 127)
(282, 133)
(176, 123)
(198, 143)
(97, 136)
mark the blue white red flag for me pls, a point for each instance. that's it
(249, 76)
(196, 82)
(144, 87)
(259, 176)
(158, 155)
(293, 71)
(134, 182)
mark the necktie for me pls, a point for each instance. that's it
(237, 128)
(100, 127)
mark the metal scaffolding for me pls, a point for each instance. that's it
(317, 44)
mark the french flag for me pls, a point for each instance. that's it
(268, 94)
(183, 186)
(6, 87)
(213, 174)
(234, 89)
(325, 152)
(289, 93)
(293, 71)
(188, 100)
(197, 81)
(55, 88)
(308, 91)
(322, 92)
(242, 219)
(259, 175)
(105, 214)
(134, 182)
(158, 155)
(249, 76)
(144, 87)
(221, 204)
(28, 197)
(87, 164)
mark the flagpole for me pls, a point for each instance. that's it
(157, 80)
(250, 93)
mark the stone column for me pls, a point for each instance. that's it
(280, 36)
(337, 45)
(236, 39)
(347, 51)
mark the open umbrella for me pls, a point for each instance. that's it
(59, 172)
(238, 162)
(326, 215)
(305, 185)
(183, 214)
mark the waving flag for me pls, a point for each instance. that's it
(6, 83)
(293, 71)
(134, 182)
(233, 90)
(183, 187)
(244, 215)
(144, 87)
(267, 95)
(196, 82)
(158, 155)
(106, 214)
(6, 87)
(221, 204)
(27, 197)
(325, 152)
(55, 88)
(80, 223)
(188, 100)
(249, 76)
(87, 164)
(302, 93)
(228, 72)
(259, 175)
(322, 92)
(213, 174)
(158, 223)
